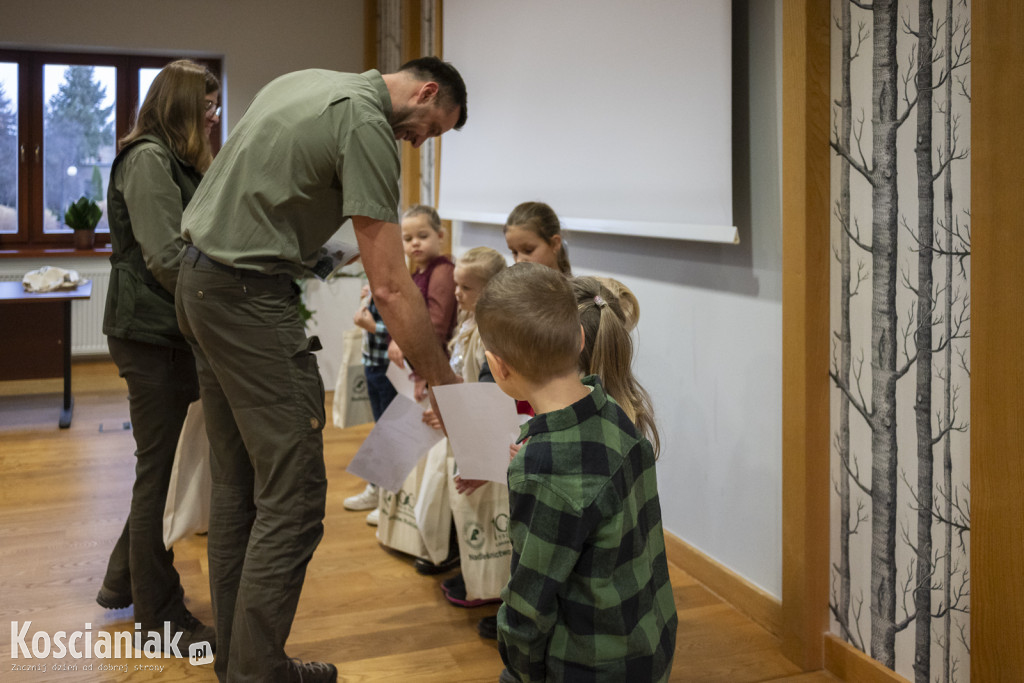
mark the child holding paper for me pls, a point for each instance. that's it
(608, 312)
(421, 237)
(473, 513)
(378, 389)
(589, 597)
(433, 273)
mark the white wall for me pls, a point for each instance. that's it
(710, 332)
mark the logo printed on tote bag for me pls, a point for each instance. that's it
(475, 536)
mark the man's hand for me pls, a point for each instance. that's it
(399, 300)
(433, 402)
(420, 387)
(395, 354)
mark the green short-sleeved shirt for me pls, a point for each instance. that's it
(314, 148)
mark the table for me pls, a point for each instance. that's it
(35, 336)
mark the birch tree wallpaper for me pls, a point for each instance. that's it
(900, 323)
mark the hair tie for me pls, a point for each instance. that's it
(601, 303)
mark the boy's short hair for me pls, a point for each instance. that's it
(527, 316)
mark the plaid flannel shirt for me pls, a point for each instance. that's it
(589, 598)
(375, 344)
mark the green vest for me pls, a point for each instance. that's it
(137, 306)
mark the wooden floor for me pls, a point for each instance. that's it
(63, 500)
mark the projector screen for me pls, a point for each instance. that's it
(617, 114)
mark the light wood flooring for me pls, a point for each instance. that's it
(64, 495)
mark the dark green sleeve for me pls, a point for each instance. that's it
(548, 533)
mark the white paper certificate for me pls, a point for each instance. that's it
(398, 375)
(394, 445)
(482, 423)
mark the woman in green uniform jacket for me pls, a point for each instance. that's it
(158, 167)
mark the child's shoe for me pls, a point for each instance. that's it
(455, 593)
(367, 500)
(488, 627)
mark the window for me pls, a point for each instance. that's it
(61, 115)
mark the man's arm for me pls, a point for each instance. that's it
(398, 299)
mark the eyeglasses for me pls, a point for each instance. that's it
(212, 108)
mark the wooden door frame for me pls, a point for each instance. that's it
(997, 328)
(412, 41)
(805, 329)
(997, 365)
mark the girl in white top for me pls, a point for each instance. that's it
(473, 512)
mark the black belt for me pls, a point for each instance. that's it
(194, 256)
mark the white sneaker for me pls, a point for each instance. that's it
(367, 500)
(373, 517)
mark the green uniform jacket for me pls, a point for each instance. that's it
(148, 192)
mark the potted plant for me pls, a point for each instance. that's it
(82, 217)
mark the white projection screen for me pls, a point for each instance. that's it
(617, 113)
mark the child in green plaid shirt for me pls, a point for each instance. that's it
(589, 598)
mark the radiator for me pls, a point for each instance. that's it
(87, 338)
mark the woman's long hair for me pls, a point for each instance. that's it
(175, 112)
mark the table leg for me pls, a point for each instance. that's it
(69, 402)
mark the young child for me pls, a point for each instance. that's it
(533, 233)
(433, 273)
(472, 272)
(378, 389)
(421, 237)
(589, 597)
(608, 312)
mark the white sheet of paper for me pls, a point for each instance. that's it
(398, 375)
(394, 445)
(481, 422)
(341, 253)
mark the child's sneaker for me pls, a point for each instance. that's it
(455, 593)
(453, 582)
(367, 500)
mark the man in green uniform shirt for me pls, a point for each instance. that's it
(314, 148)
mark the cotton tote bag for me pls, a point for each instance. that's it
(187, 509)
(351, 404)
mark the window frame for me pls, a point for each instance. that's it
(31, 154)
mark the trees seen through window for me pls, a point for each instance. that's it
(61, 115)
